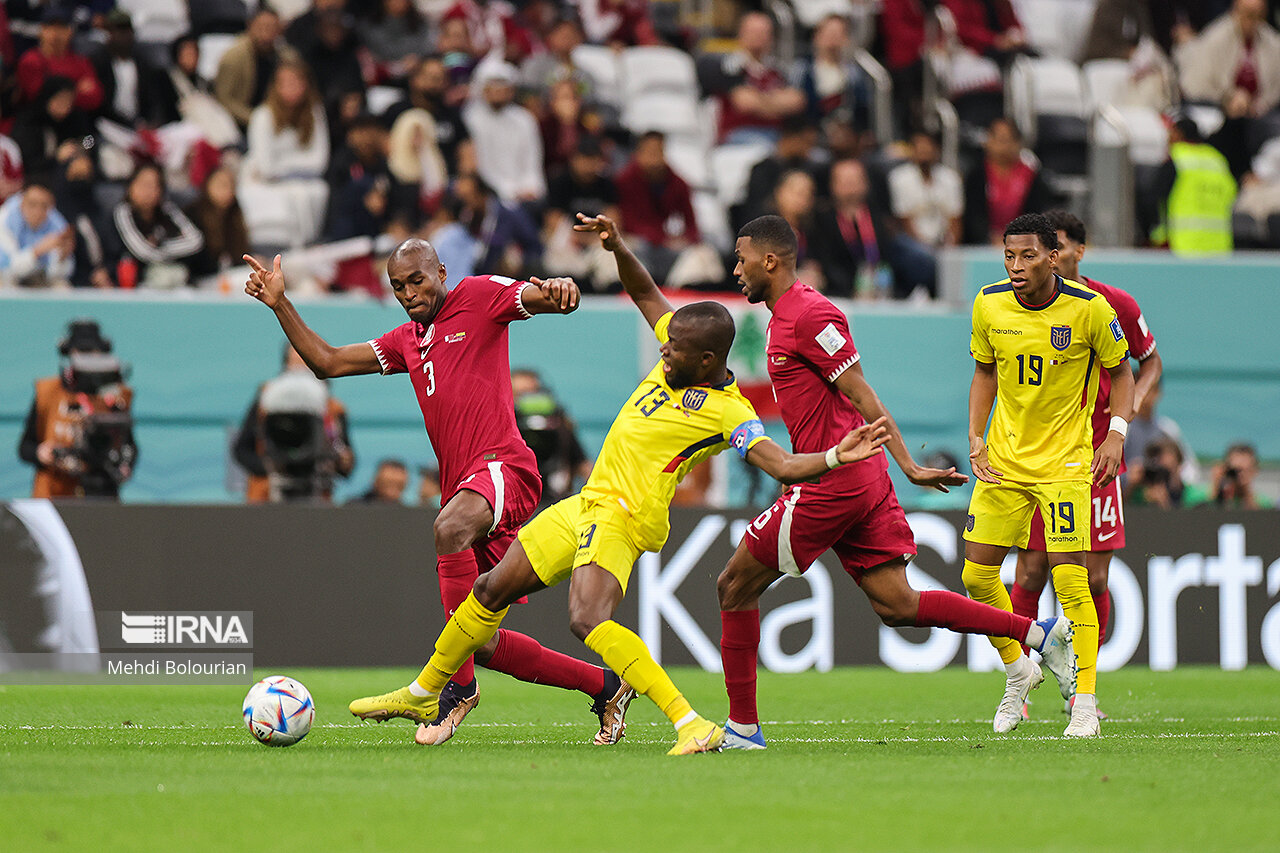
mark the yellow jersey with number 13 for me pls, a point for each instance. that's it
(1047, 360)
(658, 436)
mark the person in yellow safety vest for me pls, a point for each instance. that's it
(1199, 192)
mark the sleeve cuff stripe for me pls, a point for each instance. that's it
(835, 374)
(524, 312)
(382, 360)
(1146, 355)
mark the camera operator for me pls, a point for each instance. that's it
(1156, 480)
(332, 457)
(550, 433)
(79, 431)
(1233, 480)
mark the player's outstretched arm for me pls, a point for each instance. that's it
(552, 296)
(267, 286)
(1107, 458)
(982, 396)
(860, 443)
(636, 280)
(853, 384)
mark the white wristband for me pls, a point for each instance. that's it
(1120, 425)
(833, 459)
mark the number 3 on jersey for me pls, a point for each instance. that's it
(653, 405)
(430, 369)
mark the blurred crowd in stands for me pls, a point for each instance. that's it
(151, 143)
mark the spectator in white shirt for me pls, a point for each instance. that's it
(508, 143)
(282, 188)
(927, 197)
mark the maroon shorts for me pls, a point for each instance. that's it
(1106, 521)
(864, 529)
(512, 492)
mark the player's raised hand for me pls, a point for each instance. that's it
(863, 442)
(978, 462)
(561, 292)
(264, 285)
(600, 224)
(1106, 461)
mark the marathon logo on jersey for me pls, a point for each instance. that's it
(1116, 331)
(830, 339)
(693, 399)
(186, 629)
(1060, 337)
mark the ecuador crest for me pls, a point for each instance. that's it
(1060, 337)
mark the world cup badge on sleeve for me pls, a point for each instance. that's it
(1060, 337)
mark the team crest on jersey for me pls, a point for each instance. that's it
(1060, 337)
(693, 399)
(430, 336)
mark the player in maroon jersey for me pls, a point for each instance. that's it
(454, 349)
(821, 392)
(1108, 513)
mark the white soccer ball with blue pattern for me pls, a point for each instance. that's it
(278, 711)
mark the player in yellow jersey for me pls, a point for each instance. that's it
(1038, 344)
(687, 409)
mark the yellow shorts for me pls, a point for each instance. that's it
(1001, 514)
(577, 531)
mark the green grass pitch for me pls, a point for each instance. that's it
(859, 759)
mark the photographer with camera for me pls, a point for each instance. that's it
(294, 433)
(1233, 480)
(79, 431)
(1156, 479)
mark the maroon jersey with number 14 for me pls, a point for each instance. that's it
(461, 373)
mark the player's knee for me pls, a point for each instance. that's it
(582, 624)
(898, 611)
(453, 533)
(489, 592)
(976, 577)
(730, 590)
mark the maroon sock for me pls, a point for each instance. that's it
(458, 573)
(1103, 605)
(523, 657)
(942, 609)
(1025, 603)
(739, 645)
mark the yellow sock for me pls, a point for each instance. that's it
(1071, 583)
(470, 627)
(983, 583)
(626, 654)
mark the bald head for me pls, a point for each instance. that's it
(416, 252)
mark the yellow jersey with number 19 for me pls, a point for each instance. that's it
(1047, 360)
(658, 436)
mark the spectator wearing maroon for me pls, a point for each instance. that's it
(1001, 187)
(989, 28)
(754, 93)
(492, 28)
(52, 57)
(618, 23)
(656, 207)
(565, 124)
(902, 26)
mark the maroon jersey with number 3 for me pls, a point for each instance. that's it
(461, 372)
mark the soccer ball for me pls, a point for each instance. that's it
(278, 711)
